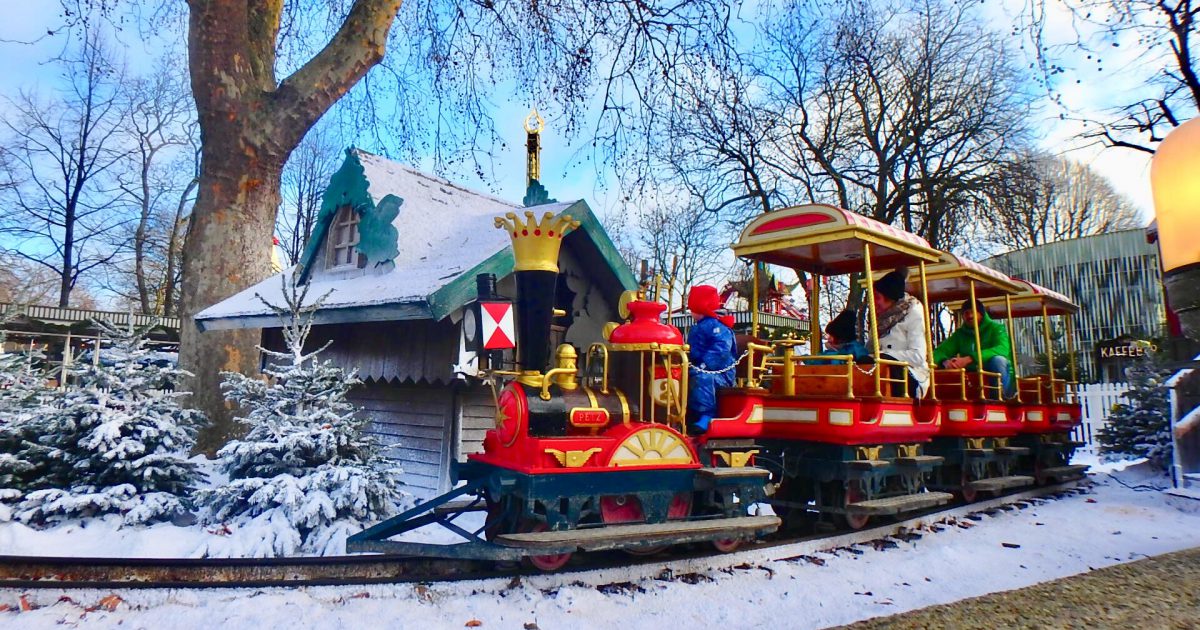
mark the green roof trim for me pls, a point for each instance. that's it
(377, 236)
(536, 194)
(462, 289)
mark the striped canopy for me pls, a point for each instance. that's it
(1029, 301)
(827, 240)
(951, 279)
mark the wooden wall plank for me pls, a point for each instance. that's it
(411, 424)
(410, 351)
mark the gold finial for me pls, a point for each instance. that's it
(534, 122)
(536, 244)
(533, 147)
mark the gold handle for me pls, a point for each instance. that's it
(547, 380)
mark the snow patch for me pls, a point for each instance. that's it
(1113, 523)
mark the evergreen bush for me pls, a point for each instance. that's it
(1141, 426)
(305, 472)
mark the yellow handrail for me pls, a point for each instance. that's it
(751, 348)
(684, 364)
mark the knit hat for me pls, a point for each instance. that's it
(891, 286)
(842, 327)
(966, 307)
(704, 300)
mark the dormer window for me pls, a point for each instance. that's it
(343, 240)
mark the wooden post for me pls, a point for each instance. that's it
(66, 364)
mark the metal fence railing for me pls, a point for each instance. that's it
(62, 351)
(57, 315)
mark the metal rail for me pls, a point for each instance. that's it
(31, 572)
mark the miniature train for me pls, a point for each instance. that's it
(593, 454)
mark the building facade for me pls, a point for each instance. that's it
(396, 253)
(1116, 281)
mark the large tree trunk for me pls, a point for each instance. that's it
(250, 123)
(227, 249)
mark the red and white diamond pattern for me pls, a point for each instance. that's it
(499, 331)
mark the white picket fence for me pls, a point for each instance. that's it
(1097, 400)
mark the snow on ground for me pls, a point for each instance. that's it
(1124, 518)
(106, 538)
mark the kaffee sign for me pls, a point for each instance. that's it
(1124, 348)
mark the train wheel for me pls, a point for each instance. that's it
(497, 518)
(854, 494)
(965, 490)
(616, 510)
(727, 545)
(681, 507)
(625, 508)
(1038, 466)
(548, 563)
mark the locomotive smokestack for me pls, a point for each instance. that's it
(535, 250)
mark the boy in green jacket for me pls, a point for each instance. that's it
(958, 350)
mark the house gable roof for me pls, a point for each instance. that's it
(443, 236)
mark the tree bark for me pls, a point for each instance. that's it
(227, 248)
(249, 124)
(139, 236)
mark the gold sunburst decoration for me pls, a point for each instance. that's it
(652, 446)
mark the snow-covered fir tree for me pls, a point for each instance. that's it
(24, 397)
(22, 374)
(117, 441)
(305, 474)
(1141, 427)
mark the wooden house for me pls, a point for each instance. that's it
(398, 252)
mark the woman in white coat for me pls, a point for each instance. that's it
(900, 318)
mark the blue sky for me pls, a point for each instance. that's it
(26, 65)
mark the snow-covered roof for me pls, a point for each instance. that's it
(444, 231)
(440, 223)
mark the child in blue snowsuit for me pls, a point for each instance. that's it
(841, 338)
(711, 349)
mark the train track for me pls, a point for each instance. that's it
(33, 572)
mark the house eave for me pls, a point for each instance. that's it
(348, 315)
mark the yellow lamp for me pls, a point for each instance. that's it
(1175, 179)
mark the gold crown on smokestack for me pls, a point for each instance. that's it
(535, 244)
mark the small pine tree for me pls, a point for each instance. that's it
(305, 463)
(117, 442)
(1141, 427)
(22, 375)
(23, 399)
